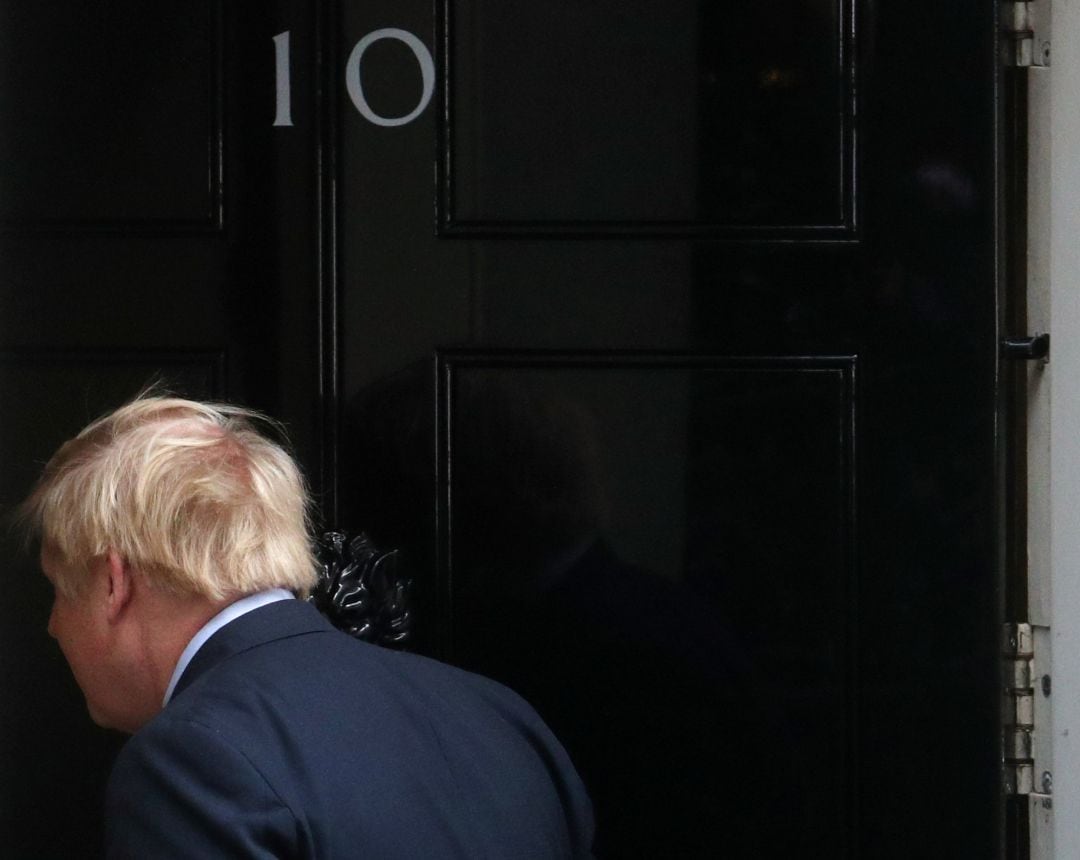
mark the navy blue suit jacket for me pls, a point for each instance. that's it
(286, 738)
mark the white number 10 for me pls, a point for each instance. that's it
(283, 108)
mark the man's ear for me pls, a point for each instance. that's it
(121, 585)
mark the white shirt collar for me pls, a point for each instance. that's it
(230, 613)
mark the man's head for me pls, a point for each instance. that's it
(149, 520)
(189, 494)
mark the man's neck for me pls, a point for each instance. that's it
(167, 624)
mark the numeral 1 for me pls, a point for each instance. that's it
(283, 112)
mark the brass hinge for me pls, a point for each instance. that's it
(1026, 33)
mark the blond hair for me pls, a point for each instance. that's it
(188, 493)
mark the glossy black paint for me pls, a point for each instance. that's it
(661, 622)
(151, 105)
(649, 119)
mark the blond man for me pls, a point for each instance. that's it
(176, 537)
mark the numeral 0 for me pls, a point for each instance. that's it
(283, 101)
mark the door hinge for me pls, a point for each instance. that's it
(1027, 711)
(1026, 33)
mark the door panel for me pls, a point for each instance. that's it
(687, 632)
(129, 135)
(659, 117)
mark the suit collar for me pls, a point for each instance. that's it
(269, 623)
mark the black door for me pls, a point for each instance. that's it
(659, 337)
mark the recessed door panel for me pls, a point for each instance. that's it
(112, 115)
(674, 117)
(657, 552)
